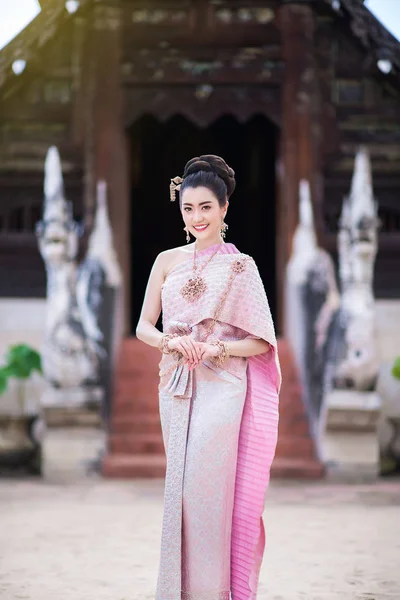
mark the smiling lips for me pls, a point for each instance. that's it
(200, 227)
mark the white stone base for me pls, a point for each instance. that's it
(388, 329)
(71, 398)
(348, 432)
(347, 410)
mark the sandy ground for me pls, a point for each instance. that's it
(78, 537)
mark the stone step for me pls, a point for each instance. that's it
(137, 358)
(129, 406)
(127, 387)
(136, 443)
(296, 468)
(129, 466)
(139, 423)
(297, 426)
(126, 368)
(135, 419)
(131, 380)
(295, 446)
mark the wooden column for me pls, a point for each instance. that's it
(301, 130)
(296, 455)
(106, 154)
(79, 37)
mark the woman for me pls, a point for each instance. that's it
(218, 392)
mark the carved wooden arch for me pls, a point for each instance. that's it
(202, 105)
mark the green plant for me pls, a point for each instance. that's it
(21, 361)
(396, 368)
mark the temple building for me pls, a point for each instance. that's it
(129, 90)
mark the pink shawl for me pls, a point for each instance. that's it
(257, 440)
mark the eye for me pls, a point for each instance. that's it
(187, 208)
(207, 207)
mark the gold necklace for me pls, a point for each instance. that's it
(196, 286)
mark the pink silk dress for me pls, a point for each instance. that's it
(219, 428)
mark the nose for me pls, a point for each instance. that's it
(197, 218)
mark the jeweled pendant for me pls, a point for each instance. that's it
(194, 289)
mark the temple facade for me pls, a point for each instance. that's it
(129, 90)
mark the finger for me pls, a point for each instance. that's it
(189, 349)
(199, 351)
(193, 360)
(196, 351)
(192, 343)
(196, 354)
(183, 350)
(190, 362)
(192, 346)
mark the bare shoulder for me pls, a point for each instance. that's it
(168, 259)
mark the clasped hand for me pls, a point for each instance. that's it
(192, 351)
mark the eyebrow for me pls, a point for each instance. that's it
(201, 203)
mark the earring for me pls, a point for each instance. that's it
(187, 234)
(224, 227)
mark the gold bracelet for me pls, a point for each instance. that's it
(223, 354)
(163, 344)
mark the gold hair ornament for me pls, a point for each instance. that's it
(173, 186)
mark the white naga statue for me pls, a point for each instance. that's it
(73, 347)
(312, 299)
(358, 363)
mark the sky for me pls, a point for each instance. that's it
(14, 16)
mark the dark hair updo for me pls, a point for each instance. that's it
(212, 172)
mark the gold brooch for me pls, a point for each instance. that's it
(239, 265)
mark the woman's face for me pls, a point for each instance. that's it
(202, 213)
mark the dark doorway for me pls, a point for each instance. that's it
(160, 151)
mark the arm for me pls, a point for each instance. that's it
(243, 348)
(151, 310)
(248, 347)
